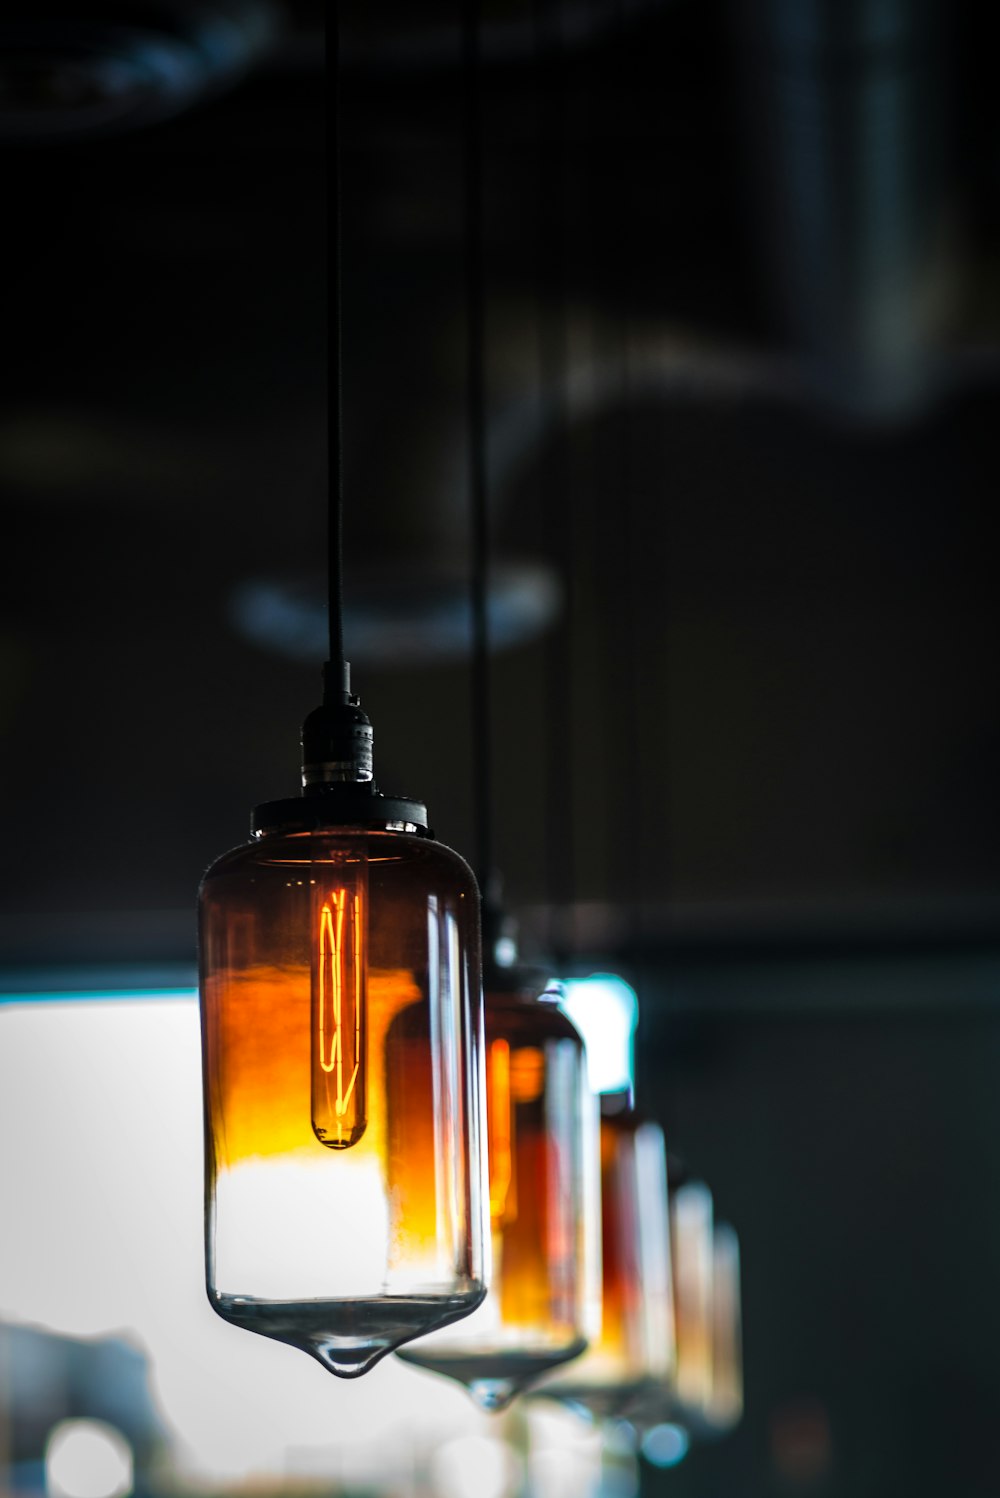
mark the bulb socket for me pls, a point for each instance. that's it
(336, 746)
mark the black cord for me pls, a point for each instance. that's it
(336, 673)
(560, 838)
(628, 838)
(479, 520)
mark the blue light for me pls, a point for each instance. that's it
(605, 1011)
(665, 1445)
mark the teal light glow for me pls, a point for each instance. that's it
(605, 1010)
(665, 1445)
(96, 996)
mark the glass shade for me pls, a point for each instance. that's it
(544, 1300)
(691, 1219)
(342, 1049)
(685, 1396)
(726, 1404)
(635, 1350)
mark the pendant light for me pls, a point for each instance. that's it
(683, 1397)
(726, 1404)
(342, 1046)
(544, 1304)
(692, 1242)
(635, 1350)
(544, 1301)
(705, 1394)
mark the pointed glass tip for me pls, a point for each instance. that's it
(347, 1337)
(493, 1394)
(349, 1362)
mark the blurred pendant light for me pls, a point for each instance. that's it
(725, 1407)
(634, 1354)
(544, 1304)
(684, 1396)
(544, 1300)
(704, 1396)
(635, 1350)
(692, 1241)
(342, 1046)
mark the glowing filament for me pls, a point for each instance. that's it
(338, 1020)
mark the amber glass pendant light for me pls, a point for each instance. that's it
(342, 1049)
(634, 1353)
(544, 1302)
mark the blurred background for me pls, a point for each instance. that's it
(743, 338)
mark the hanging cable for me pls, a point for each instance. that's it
(337, 736)
(628, 842)
(337, 672)
(550, 102)
(475, 386)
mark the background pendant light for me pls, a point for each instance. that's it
(692, 1242)
(705, 1394)
(726, 1405)
(635, 1350)
(544, 1301)
(342, 1047)
(685, 1397)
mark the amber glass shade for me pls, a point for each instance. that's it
(635, 1350)
(544, 1300)
(342, 1050)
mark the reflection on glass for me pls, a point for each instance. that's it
(341, 1028)
(544, 1300)
(635, 1350)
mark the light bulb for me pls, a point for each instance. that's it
(544, 1300)
(342, 1030)
(635, 1350)
(340, 1007)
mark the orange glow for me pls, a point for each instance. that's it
(503, 1189)
(527, 1077)
(533, 1057)
(263, 1034)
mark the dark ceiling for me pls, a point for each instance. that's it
(741, 368)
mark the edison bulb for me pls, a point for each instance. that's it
(340, 1006)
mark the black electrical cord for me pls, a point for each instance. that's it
(337, 736)
(475, 389)
(560, 773)
(336, 674)
(613, 195)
